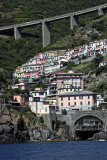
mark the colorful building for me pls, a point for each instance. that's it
(66, 80)
(103, 63)
(82, 100)
(20, 99)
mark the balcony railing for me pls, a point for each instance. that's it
(88, 128)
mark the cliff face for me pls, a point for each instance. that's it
(15, 127)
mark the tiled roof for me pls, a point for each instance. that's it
(103, 61)
(77, 93)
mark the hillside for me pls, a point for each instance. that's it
(14, 53)
(95, 77)
(23, 10)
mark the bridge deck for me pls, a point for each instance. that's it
(55, 18)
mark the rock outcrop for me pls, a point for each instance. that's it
(15, 127)
(99, 136)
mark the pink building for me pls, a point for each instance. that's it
(38, 94)
(66, 80)
(23, 86)
(82, 100)
(20, 99)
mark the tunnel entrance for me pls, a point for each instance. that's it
(87, 126)
(84, 135)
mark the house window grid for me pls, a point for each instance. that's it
(88, 102)
(81, 103)
(68, 103)
(68, 98)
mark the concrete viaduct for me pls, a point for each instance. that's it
(46, 22)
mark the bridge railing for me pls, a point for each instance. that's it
(88, 128)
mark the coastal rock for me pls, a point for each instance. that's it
(45, 134)
(36, 135)
(99, 136)
(7, 129)
(1, 129)
(63, 132)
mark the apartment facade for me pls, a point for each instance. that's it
(82, 100)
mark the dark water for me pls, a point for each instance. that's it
(74, 150)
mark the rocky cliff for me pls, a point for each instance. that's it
(26, 127)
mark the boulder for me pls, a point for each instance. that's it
(36, 135)
(99, 136)
(1, 129)
(45, 134)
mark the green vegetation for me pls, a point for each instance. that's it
(39, 85)
(23, 10)
(69, 66)
(100, 87)
(101, 25)
(87, 67)
(59, 123)
(64, 112)
(15, 53)
(41, 119)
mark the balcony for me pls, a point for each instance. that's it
(88, 127)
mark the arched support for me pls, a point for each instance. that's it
(45, 33)
(17, 32)
(73, 21)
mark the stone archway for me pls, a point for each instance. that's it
(53, 125)
(87, 126)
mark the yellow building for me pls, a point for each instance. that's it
(51, 101)
(40, 108)
(67, 89)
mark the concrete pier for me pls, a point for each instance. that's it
(45, 33)
(17, 33)
(73, 21)
(100, 11)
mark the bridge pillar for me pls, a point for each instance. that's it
(45, 33)
(17, 33)
(73, 21)
(100, 11)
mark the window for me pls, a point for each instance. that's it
(68, 103)
(74, 97)
(66, 89)
(41, 93)
(71, 89)
(68, 98)
(74, 103)
(81, 103)
(45, 109)
(88, 97)
(35, 94)
(80, 97)
(88, 102)
(39, 110)
(61, 98)
(61, 104)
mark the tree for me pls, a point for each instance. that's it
(64, 112)
(41, 119)
(98, 59)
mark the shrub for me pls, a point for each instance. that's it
(64, 112)
(41, 119)
(58, 123)
(63, 122)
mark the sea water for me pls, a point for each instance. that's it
(72, 150)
